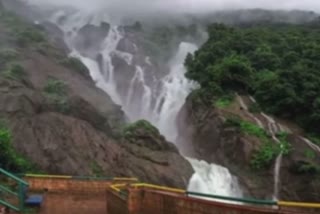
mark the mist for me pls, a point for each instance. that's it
(185, 6)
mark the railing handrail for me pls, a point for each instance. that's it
(78, 177)
(227, 198)
(21, 191)
(19, 180)
(6, 204)
(299, 204)
(5, 189)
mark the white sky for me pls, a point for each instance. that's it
(195, 6)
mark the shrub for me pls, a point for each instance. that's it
(131, 129)
(28, 35)
(9, 159)
(254, 108)
(96, 169)
(314, 138)
(56, 87)
(14, 71)
(284, 146)
(310, 154)
(8, 55)
(306, 168)
(265, 156)
(56, 92)
(76, 65)
(233, 121)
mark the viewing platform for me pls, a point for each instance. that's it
(87, 195)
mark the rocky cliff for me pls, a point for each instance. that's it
(62, 123)
(213, 137)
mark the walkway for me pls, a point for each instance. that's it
(81, 195)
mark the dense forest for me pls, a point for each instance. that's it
(279, 65)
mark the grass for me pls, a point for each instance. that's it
(252, 129)
(224, 102)
(56, 92)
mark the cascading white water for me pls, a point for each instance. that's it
(213, 179)
(168, 99)
(175, 89)
(273, 130)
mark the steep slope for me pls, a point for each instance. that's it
(271, 156)
(62, 123)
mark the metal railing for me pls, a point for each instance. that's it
(18, 195)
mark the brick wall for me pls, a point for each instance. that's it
(116, 204)
(158, 203)
(66, 185)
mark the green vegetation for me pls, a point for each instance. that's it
(254, 108)
(306, 168)
(310, 154)
(314, 138)
(76, 65)
(285, 146)
(31, 210)
(14, 71)
(56, 92)
(9, 159)
(8, 62)
(224, 101)
(269, 150)
(21, 31)
(8, 55)
(252, 129)
(131, 129)
(96, 169)
(265, 156)
(279, 65)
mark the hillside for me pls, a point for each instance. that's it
(244, 73)
(55, 120)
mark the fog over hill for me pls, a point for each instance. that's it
(193, 6)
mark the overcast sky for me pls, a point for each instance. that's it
(195, 6)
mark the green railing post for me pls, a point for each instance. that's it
(21, 196)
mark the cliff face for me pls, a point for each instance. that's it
(215, 141)
(62, 123)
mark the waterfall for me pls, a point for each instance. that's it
(213, 179)
(273, 128)
(158, 102)
(174, 91)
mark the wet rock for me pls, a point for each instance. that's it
(214, 142)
